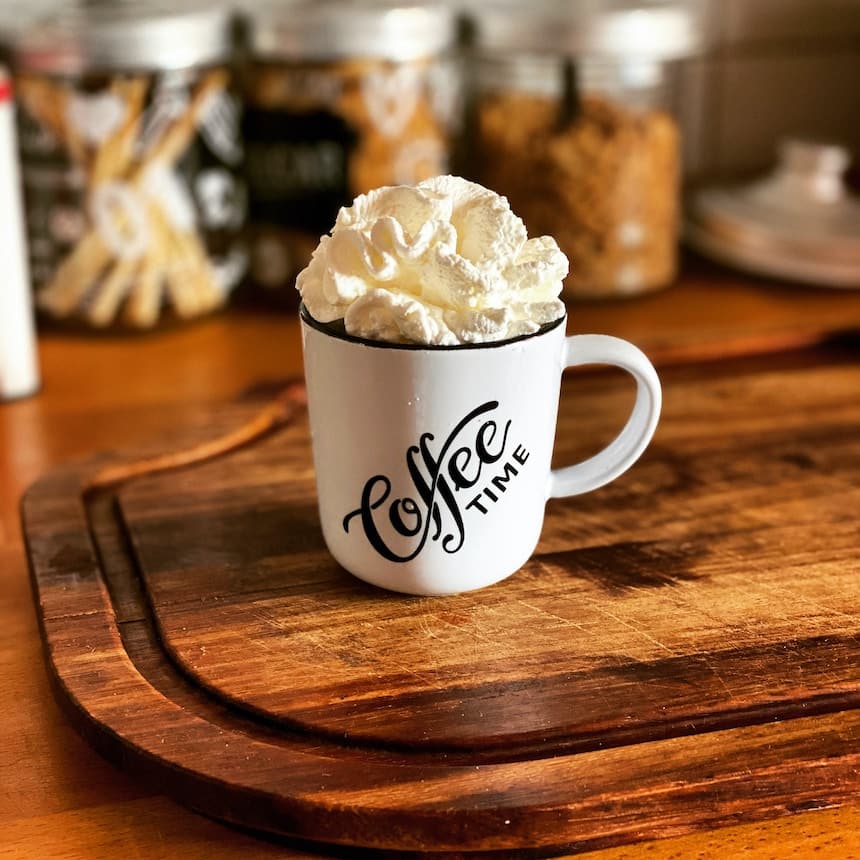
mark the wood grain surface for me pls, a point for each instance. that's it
(654, 605)
(61, 799)
(681, 652)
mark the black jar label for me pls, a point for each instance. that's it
(297, 167)
(318, 135)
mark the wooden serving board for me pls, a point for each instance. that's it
(681, 652)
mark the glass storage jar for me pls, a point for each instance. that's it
(573, 119)
(340, 98)
(131, 154)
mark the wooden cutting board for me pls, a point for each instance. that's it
(682, 651)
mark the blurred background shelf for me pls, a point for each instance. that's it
(715, 313)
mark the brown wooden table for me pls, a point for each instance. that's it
(59, 798)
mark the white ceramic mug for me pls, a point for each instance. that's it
(433, 463)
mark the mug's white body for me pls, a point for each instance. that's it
(432, 464)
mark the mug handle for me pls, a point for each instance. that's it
(628, 445)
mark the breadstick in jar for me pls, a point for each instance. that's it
(177, 138)
(110, 292)
(115, 154)
(208, 295)
(143, 305)
(145, 297)
(75, 276)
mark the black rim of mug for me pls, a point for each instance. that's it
(325, 328)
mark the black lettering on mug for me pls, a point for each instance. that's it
(434, 512)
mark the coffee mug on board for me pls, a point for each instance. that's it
(433, 463)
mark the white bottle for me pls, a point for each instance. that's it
(19, 372)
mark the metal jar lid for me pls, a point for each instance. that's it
(116, 36)
(612, 29)
(799, 223)
(14, 21)
(344, 29)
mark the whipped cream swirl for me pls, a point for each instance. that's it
(441, 263)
